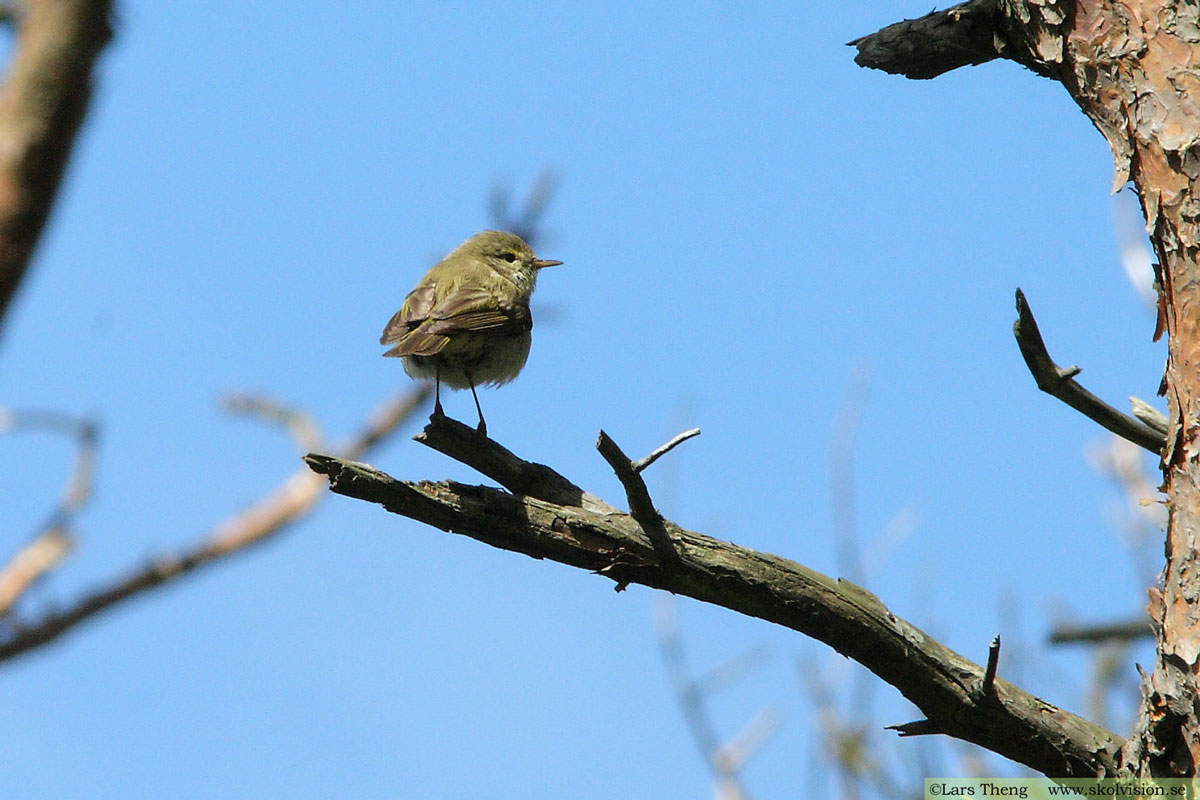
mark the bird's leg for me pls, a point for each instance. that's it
(482, 426)
(438, 413)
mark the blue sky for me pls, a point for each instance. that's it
(748, 221)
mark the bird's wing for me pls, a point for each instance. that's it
(473, 310)
(415, 310)
(476, 311)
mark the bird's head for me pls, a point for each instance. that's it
(507, 254)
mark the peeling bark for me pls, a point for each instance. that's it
(1133, 67)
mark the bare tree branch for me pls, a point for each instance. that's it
(935, 43)
(654, 455)
(967, 34)
(1061, 383)
(590, 535)
(464, 443)
(51, 544)
(293, 499)
(1128, 630)
(1149, 415)
(42, 105)
(35, 559)
(302, 427)
(725, 760)
(526, 222)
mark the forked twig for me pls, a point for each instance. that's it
(641, 507)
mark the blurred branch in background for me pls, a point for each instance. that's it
(1133, 245)
(841, 474)
(724, 759)
(851, 737)
(1140, 516)
(42, 105)
(301, 426)
(525, 222)
(288, 503)
(1123, 631)
(1139, 524)
(51, 544)
(291, 501)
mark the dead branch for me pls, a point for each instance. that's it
(588, 534)
(1058, 382)
(935, 43)
(967, 34)
(1126, 631)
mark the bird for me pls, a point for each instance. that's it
(468, 322)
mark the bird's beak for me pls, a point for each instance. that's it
(541, 263)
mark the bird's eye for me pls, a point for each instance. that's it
(509, 257)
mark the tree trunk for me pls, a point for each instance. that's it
(1133, 66)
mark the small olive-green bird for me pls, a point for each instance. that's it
(468, 322)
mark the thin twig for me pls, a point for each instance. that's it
(747, 743)
(1061, 383)
(1130, 630)
(732, 670)
(1149, 414)
(920, 727)
(662, 450)
(293, 499)
(641, 507)
(302, 427)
